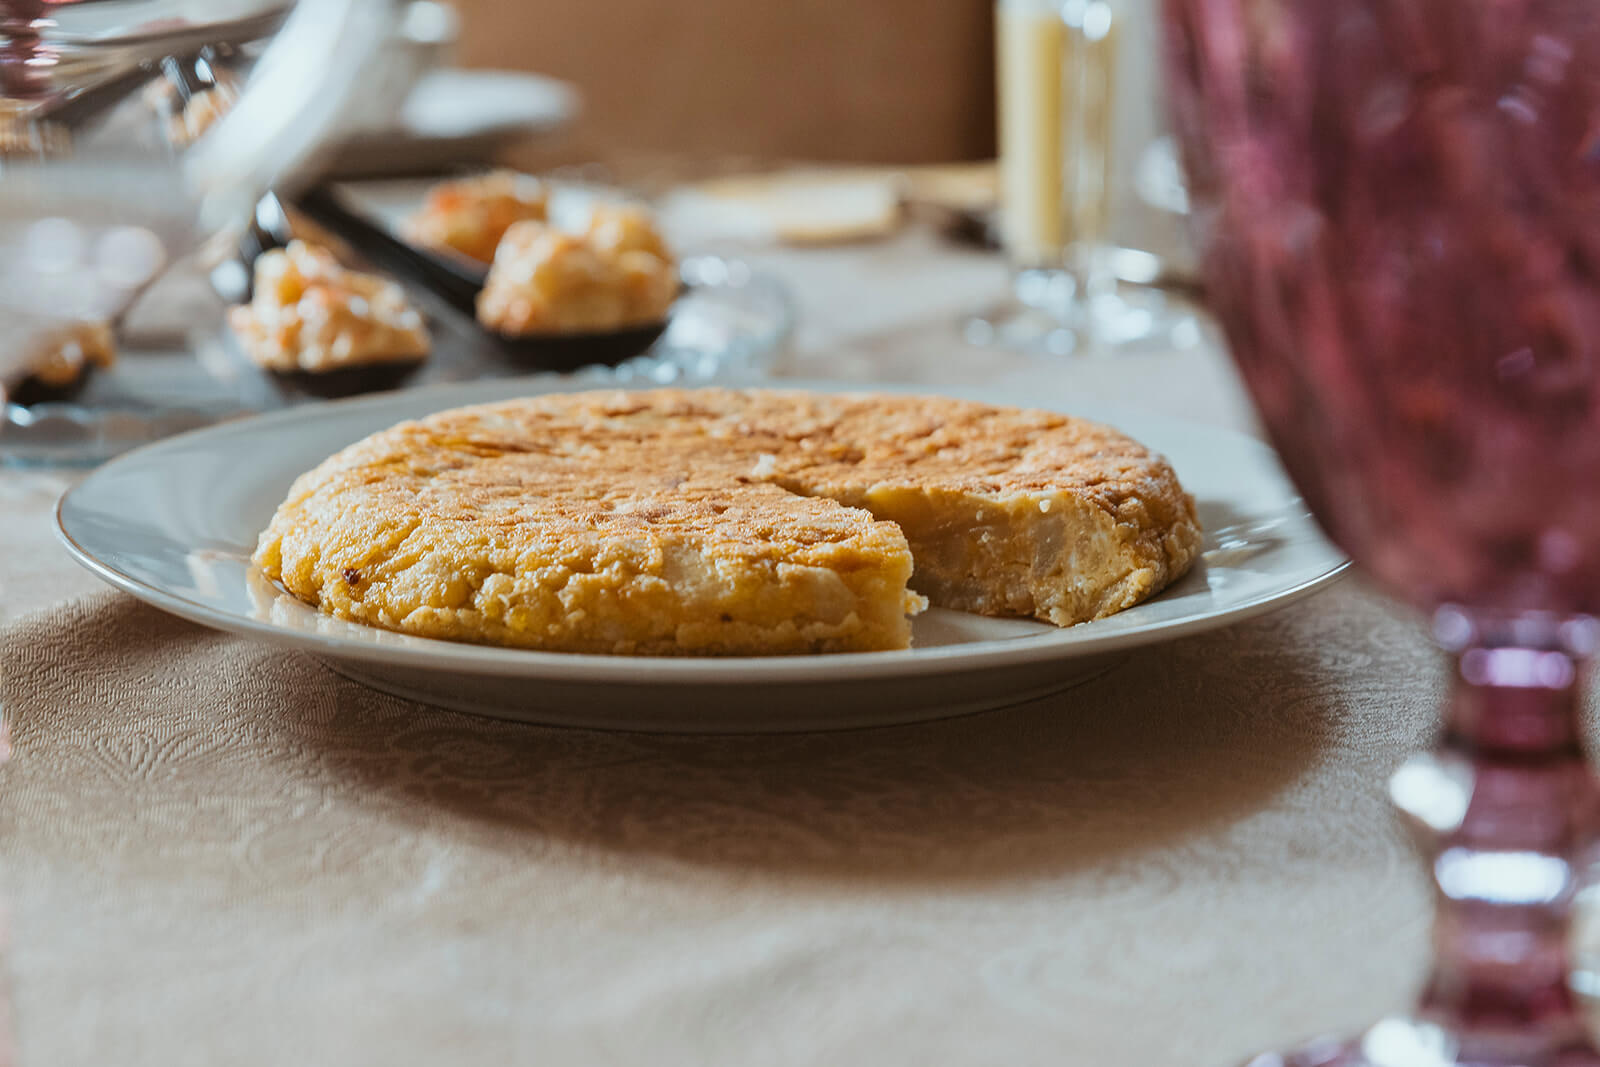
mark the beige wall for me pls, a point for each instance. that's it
(880, 80)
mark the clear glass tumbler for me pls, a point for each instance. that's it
(1077, 111)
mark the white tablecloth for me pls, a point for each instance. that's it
(215, 854)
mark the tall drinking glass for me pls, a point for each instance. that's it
(1076, 91)
(1397, 205)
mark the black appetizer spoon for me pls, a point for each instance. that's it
(458, 284)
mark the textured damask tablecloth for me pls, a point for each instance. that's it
(215, 853)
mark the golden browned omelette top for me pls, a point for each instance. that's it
(726, 437)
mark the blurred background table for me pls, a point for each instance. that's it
(1187, 859)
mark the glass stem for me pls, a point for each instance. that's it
(1507, 807)
(1097, 275)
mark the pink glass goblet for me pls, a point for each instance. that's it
(1398, 207)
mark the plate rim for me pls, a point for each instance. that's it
(433, 653)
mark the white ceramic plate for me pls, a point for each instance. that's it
(455, 118)
(174, 524)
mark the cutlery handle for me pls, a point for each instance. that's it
(457, 286)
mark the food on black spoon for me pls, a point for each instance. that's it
(471, 215)
(616, 275)
(61, 363)
(324, 329)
